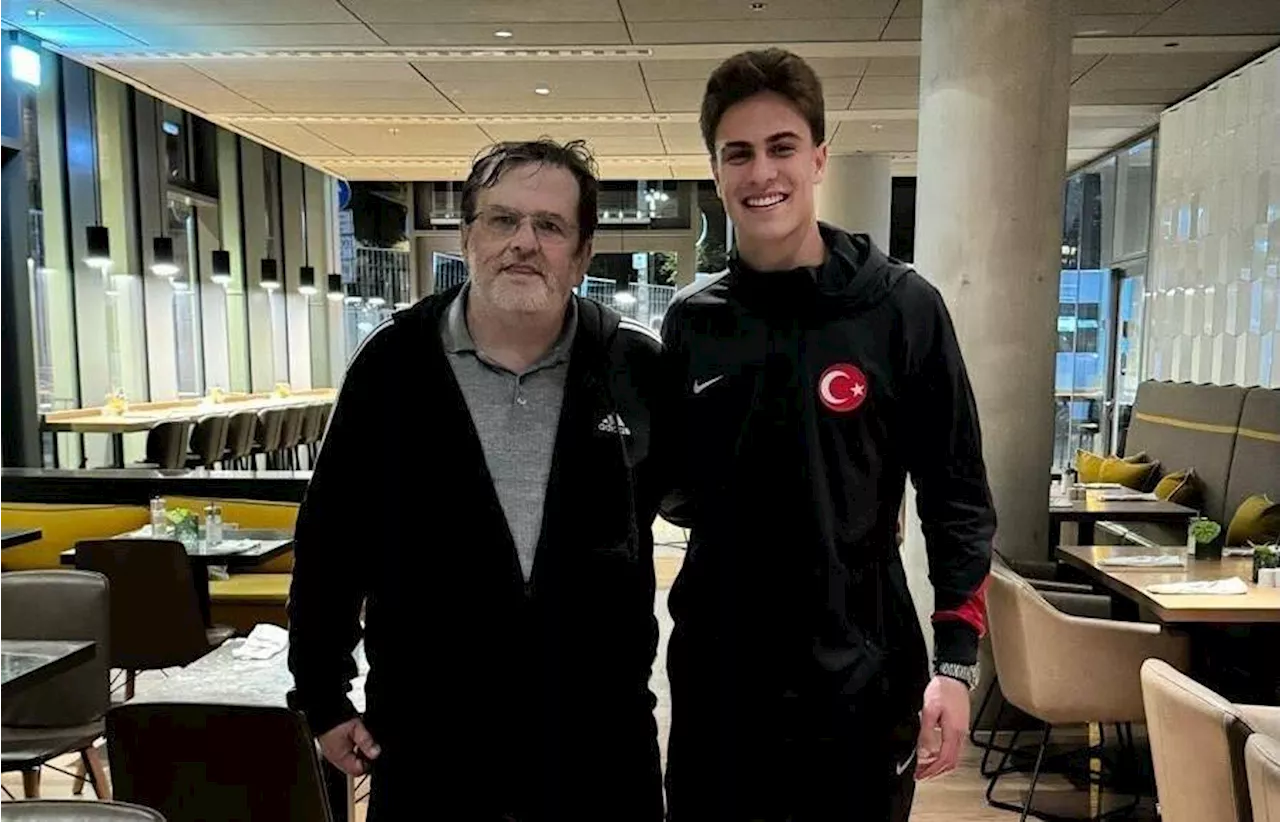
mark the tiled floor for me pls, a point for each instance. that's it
(954, 798)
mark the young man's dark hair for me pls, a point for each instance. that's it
(573, 156)
(806, 384)
(751, 72)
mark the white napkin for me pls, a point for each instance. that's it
(229, 546)
(263, 642)
(1237, 552)
(1234, 585)
(1126, 496)
(1059, 502)
(1102, 486)
(1145, 561)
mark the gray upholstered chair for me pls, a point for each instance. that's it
(64, 714)
(1262, 763)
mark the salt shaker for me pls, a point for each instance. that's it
(213, 525)
(159, 520)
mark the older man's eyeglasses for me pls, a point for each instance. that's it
(503, 223)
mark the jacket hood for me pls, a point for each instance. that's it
(855, 275)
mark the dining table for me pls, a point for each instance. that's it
(240, 549)
(13, 537)
(1111, 505)
(1256, 605)
(141, 417)
(25, 664)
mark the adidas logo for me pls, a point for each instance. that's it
(613, 424)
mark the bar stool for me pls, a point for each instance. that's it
(290, 437)
(208, 441)
(240, 430)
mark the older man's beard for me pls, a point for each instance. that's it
(523, 295)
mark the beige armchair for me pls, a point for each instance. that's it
(1262, 762)
(1197, 745)
(1068, 670)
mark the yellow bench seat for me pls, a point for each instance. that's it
(244, 600)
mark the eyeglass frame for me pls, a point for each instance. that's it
(568, 229)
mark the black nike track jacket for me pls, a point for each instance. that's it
(803, 401)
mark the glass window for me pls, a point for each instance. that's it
(1134, 180)
(187, 336)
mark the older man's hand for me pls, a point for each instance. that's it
(350, 747)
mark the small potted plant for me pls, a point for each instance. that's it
(186, 528)
(1207, 536)
(1266, 555)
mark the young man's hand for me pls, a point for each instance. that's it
(350, 747)
(944, 721)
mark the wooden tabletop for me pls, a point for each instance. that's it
(145, 416)
(1257, 605)
(1095, 508)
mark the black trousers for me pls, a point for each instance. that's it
(863, 772)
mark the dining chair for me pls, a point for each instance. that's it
(240, 430)
(994, 715)
(1067, 670)
(266, 438)
(312, 419)
(156, 619)
(1197, 746)
(290, 437)
(1262, 764)
(196, 762)
(208, 441)
(166, 445)
(64, 714)
(71, 810)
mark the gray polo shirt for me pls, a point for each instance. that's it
(516, 416)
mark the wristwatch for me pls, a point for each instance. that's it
(968, 674)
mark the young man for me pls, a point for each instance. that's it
(812, 378)
(485, 495)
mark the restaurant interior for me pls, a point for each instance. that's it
(209, 207)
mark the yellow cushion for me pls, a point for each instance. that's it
(1136, 475)
(1089, 466)
(250, 514)
(1257, 520)
(63, 527)
(1181, 487)
(244, 588)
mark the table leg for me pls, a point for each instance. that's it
(1084, 534)
(117, 450)
(1055, 534)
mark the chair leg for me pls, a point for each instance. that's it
(1024, 809)
(77, 786)
(31, 783)
(130, 682)
(91, 758)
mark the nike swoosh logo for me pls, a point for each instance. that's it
(699, 387)
(903, 767)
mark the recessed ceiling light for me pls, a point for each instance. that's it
(393, 130)
(503, 33)
(543, 90)
(759, 6)
(36, 13)
(877, 127)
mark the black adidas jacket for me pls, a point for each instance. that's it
(803, 400)
(489, 695)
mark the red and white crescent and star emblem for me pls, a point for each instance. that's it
(842, 388)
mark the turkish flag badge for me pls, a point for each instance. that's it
(842, 388)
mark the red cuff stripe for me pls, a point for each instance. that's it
(972, 612)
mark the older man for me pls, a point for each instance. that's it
(484, 493)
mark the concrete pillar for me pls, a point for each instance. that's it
(992, 158)
(855, 195)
